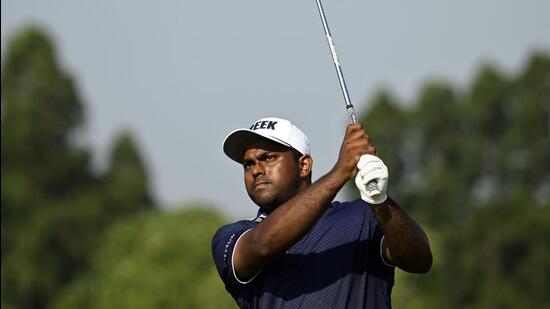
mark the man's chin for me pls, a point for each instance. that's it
(266, 205)
(266, 202)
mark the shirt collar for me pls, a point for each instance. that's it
(261, 215)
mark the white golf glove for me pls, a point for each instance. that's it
(372, 179)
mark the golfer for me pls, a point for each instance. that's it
(303, 250)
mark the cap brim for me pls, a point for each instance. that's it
(234, 143)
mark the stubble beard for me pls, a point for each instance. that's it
(270, 198)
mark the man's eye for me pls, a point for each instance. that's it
(269, 157)
(247, 164)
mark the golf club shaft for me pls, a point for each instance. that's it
(372, 186)
(337, 66)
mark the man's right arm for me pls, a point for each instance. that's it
(293, 219)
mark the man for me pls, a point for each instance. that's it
(302, 251)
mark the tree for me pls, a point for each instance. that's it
(40, 113)
(155, 260)
(126, 183)
(40, 163)
(473, 168)
(51, 247)
(54, 206)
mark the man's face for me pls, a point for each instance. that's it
(271, 173)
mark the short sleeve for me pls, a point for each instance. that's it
(223, 245)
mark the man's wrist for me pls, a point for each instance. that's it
(382, 211)
(382, 198)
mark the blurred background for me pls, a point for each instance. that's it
(113, 114)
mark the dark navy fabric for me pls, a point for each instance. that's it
(337, 264)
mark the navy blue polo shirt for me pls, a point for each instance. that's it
(337, 264)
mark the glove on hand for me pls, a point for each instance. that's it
(372, 179)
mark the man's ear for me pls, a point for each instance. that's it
(305, 164)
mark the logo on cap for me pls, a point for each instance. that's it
(264, 124)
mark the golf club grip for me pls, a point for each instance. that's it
(372, 187)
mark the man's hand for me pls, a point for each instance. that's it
(372, 172)
(355, 144)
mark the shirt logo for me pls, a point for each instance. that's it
(265, 124)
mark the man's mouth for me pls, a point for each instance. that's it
(261, 184)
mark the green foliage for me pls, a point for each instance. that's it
(474, 169)
(40, 110)
(40, 167)
(154, 261)
(72, 238)
(126, 182)
(54, 206)
(52, 246)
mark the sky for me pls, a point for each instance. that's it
(180, 75)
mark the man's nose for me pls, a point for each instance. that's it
(258, 169)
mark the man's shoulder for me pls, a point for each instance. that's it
(235, 226)
(228, 234)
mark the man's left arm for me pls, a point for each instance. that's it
(405, 243)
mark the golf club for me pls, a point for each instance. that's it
(373, 187)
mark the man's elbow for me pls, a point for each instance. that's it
(424, 262)
(419, 263)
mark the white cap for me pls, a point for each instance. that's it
(276, 129)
